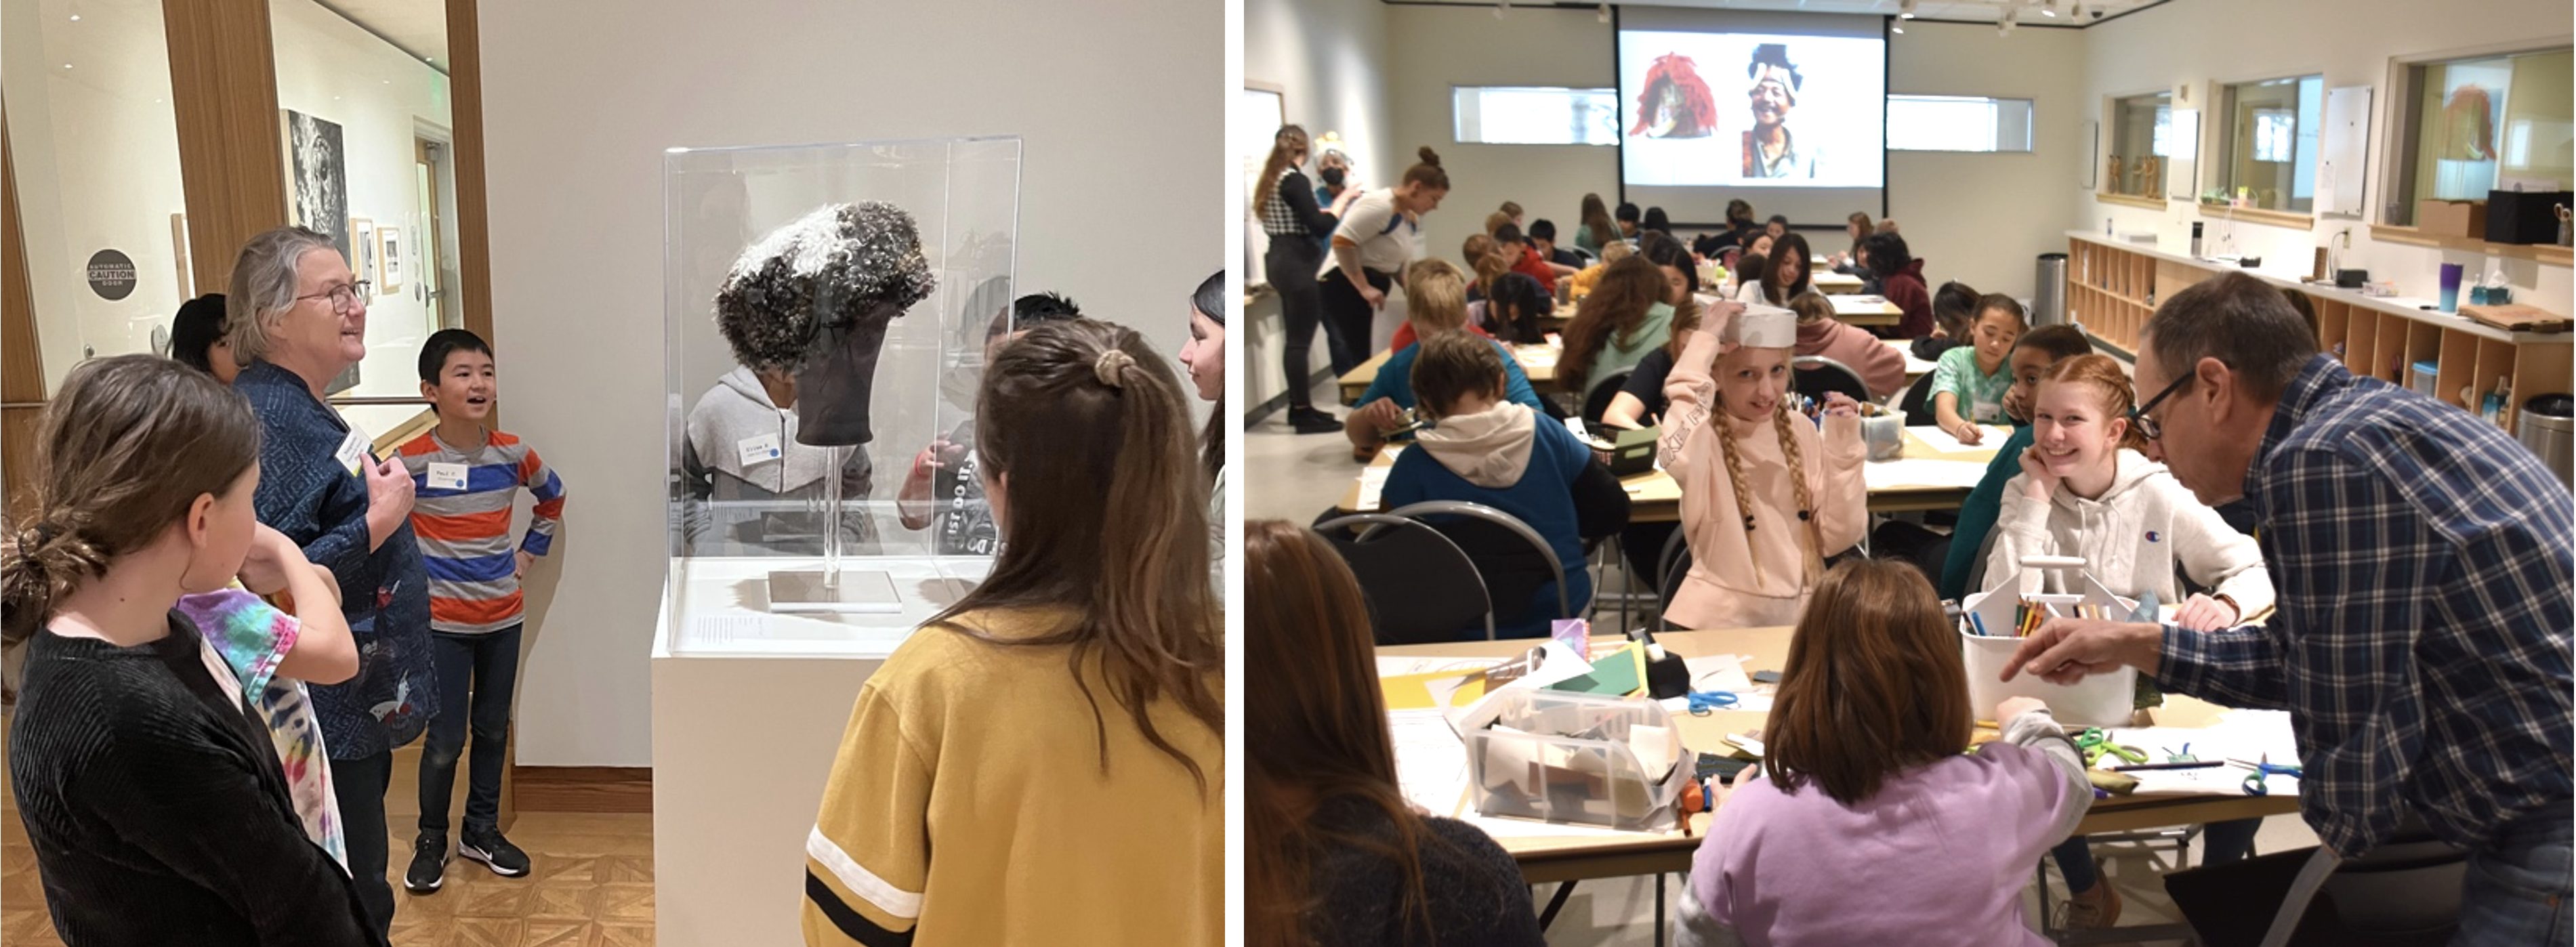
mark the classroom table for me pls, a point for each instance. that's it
(1831, 283)
(1655, 497)
(1866, 310)
(1537, 361)
(1914, 367)
(1569, 857)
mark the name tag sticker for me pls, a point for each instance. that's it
(353, 452)
(757, 449)
(446, 476)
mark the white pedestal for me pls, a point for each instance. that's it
(748, 709)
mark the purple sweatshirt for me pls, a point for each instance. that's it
(1938, 856)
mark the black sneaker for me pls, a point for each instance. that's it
(495, 852)
(1311, 421)
(428, 863)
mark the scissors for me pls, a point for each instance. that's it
(1701, 702)
(2094, 742)
(2263, 770)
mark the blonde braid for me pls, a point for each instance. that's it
(1798, 483)
(1735, 477)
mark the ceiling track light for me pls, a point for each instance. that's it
(1897, 27)
(2048, 7)
(1500, 8)
(1604, 14)
(1905, 10)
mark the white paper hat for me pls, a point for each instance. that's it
(1763, 327)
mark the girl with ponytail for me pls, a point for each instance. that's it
(1766, 494)
(1058, 730)
(142, 762)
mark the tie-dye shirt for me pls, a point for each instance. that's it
(253, 638)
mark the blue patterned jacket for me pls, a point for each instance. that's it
(305, 493)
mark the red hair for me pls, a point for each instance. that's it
(1684, 75)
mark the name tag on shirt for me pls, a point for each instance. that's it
(757, 449)
(353, 452)
(446, 476)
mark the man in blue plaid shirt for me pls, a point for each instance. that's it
(2423, 560)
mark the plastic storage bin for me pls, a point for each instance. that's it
(2421, 377)
(1579, 758)
(2102, 700)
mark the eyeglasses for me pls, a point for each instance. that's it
(2147, 426)
(343, 297)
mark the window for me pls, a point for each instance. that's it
(2269, 137)
(1957, 123)
(2141, 146)
(2491, 123)
(1506, 115)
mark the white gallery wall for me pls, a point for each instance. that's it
(96, 146)
(1328, 58)
(2202, 43)
(1123, 114)
(97, 158)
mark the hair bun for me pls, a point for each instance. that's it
(1110, 366)
(1429, 156)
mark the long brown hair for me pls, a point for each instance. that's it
(126, 447)
(1317, 715)
(2116, 395)
(1596, 218)
(1284, 148)
(1873, 685)
(1790, 246)
(1618, 304)
(1106, 520)
(1485, 257)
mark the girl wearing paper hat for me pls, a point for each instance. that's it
(1766, 494)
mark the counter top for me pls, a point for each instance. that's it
(2407, 306)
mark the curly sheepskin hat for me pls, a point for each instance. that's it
(832, 268)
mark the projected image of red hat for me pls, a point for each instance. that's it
(1676, 103)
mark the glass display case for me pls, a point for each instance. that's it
(827, 309)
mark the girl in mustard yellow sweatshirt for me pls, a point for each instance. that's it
(1765, 495)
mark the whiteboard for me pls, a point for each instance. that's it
(2346, 149)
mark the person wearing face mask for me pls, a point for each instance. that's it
(1771, 149)
(1378, 235)
(1296, 223)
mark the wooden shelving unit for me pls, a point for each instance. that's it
(2112, 289)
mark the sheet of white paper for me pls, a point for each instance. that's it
(1430, 760)
(1394, 667)
(1916, 473)
(1941, 440)
(1848, 304)
(1724, 672)
(1372, 487)
(2239, 734)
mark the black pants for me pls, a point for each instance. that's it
(487, 665)
(359, 785)
(1348, 317)
(1291, 263)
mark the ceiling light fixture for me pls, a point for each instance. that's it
(1499, 8)
(1604, 14)
(2048, 7)
(1897, 27)
(1905, 11)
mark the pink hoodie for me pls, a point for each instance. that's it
(1880, 367)
(1759, 577)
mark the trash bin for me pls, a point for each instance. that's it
(2548, 427)
(2048, 301)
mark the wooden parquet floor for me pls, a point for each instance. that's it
(592, 883)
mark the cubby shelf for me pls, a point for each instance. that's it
(2112, 287)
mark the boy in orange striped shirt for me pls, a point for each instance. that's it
(466, 480)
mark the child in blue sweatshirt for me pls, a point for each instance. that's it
(1484, 448)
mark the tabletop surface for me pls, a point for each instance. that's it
(1768, 649)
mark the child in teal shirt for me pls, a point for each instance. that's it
(1969, 385)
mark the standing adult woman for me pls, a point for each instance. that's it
(1596, 230)
(1296, 226)
(298, 318)
(1375, 240)
(1204, 356)
(1056, 735)
(1334, 854)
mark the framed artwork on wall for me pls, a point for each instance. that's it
(362, 241)
(317, 194)
(390, 261)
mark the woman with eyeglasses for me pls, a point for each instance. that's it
(297, 318)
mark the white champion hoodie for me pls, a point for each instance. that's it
(2132, 536)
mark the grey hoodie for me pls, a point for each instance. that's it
(762, 506)
(1489, 448)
